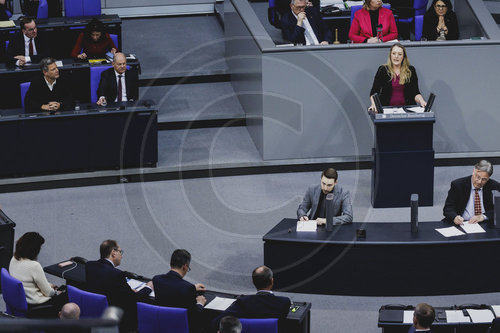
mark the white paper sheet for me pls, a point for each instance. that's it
(59, 63)
(393, 110)
(306, 226)
(481, 316)
(456, 316)
(408, 317)
(450, 232)
(417, 109)
(472, 228)
(220, 303)
(496, 310)
(135, 284)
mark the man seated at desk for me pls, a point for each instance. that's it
(48, 93)
(27, 46)
(103, 277)
(303, 24)
(264, 304)
(423, 317)
(117, 84)
(173, 291)
(314, 201)
(470, 198)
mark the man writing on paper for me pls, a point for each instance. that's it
(470, 198)
(314, 201)
(423, 317)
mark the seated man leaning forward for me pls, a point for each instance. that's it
(470, 198)
(303, 24)
(315, 203)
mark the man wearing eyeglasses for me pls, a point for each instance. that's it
(172, 290)
(470, 198)
(27, 46)
(103, 277)
(303, 25)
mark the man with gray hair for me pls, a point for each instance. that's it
(303, 24)
(470, 198)
(229, 324)
(48, 92)
(70, 311)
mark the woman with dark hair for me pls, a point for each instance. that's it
(369, 20)
(24, 267)
(396, 82)
(94, 42)
(440, 21)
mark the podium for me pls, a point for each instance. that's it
(403, 159)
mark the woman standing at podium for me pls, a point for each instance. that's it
(396, 82)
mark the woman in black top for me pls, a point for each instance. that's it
(440, 21)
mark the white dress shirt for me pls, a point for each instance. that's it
(27, 49)
(51, 86)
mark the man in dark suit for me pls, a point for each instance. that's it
(264, 304)
(302, 24)
(423, 317)
(27, 46)
(173, 291)
(229, 324)
(48, 92)
(103, 277)
(117, 84)
(470, 198)
(314, 201)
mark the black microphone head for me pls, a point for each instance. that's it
(329, 196)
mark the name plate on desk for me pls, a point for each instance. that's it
(408, 115)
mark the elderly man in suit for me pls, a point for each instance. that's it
(173, 291)
(117, 84)
(263, 304)
(103, 277)
(27, 46)
(303, 24)
(314, 201)
(470, 198)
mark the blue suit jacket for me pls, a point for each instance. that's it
(173, 291)
(261, 305)
(295, 34)
(342, 206)
(103, 278)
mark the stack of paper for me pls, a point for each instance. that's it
(456, 316)
(220, 303)
(481, 316)
(306, 226)
(450, 232)
(496, 310)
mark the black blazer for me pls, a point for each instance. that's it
(382, 85)
(39, 94)
(295, 34)
(108, 88)
(261, 305)
(431, 22)
(459, 194)
(173, 291)
(16, 47)
(103, 278)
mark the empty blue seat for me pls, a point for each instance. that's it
(82, 7)
(419, 25)
(43, 10)
(161, 319)
(91, 305)
(24, 89)
(269, 325)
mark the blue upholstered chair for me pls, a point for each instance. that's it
(24, 89)
(269, 325)
(13, 295)
(354, 9)
(161, 319)
(82, 7)
(114, 38)
(419, 25)
(91, 305)
(43, 10)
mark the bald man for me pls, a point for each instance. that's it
(70, 311)
(117, 84)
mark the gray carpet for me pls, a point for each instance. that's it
(221, 221)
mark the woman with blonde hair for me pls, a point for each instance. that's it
(396, 82)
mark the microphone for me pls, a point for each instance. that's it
(329, 211)
(379, 32)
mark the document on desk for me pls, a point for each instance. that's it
(138, 285)
(7, 24)
(408, 317)
(416, 109)
(496, 310)
(472, 228)
(481, 316)
(456, 316)
(449, 232)
(220, 303)
(306, 226)
(393, 110)
(59, 63)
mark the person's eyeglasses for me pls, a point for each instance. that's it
(189, 268)
(441, 6)
(119, 250)
(300, 7)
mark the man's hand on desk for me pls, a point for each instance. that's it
(82, 56)
(101, 101)
(21, 60)
(201, 300)
(51, 106)
(320, 221)
(458, 220)
(150, 285)
(476, 219)
(324, 43)
(200, 287)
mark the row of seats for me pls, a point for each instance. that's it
(151, 318)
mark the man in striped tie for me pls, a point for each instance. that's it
(470, 198)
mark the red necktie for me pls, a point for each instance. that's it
(119, 97)
(31, 47)
(477, 203)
